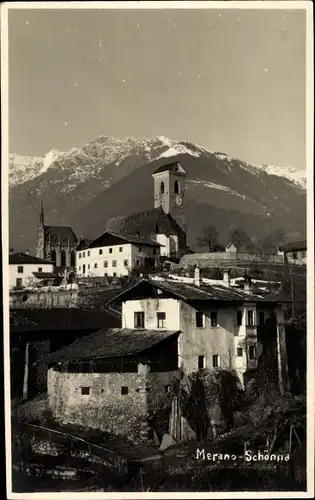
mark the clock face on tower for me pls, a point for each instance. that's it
(178, 200)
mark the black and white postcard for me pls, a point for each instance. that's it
(157, 241)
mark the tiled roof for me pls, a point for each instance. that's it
(191, 292)
(37, 320)
(145, 223)
(170, 167)
(43, 276)
(127, 238)
(293, 246)
(60, 233)
(111, 343)
(24, 258)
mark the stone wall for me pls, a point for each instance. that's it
(219, 259)
(106, 408)
(27, 299)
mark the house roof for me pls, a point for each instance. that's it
(24, 258)
(60, 233)
(83, 244)
(145, 223)
(124, 238)
(170, 167)
(293, 246)
(43, 276)
(203, 293)
(59, 319)
(115, 342)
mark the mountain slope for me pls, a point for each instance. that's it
(113, 177)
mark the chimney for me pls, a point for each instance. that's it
(226, 277)
(197, 276)
(247, 284)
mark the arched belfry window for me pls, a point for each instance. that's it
(162, 187)
(53, 256)
(176, 187)
(63, 258)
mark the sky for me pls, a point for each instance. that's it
(230, 80)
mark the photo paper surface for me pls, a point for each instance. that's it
(157, 214)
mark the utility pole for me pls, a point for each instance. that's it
(292, 292)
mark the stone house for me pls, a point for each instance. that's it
(112, 379)
(167, 328)
(116, 255)
(26, 270)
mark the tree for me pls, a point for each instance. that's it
(238, 237)
(209, 238)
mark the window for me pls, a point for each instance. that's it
(80, 255)
(126, 262)
(105, 274)
(214, 318)
(161, 317)
(20, 269)
(201, 362)
(120, 249)
(83, 254)
(199, 319)
(89, 266)
(95, 265)
(239, 317)
(294, 255)
(176, 187)
(240, 352)
(162, 187)
(100, 251)
(261, 317)
(105, 263)
(40, 269)
(88, 253)
(79, 268)
(137, 262)
(252, 352)
(114, 275)
(19, 281)
(114, 263)
(124, 390)
(250, 318)
(215, 361)
(110, 250)
(139, 319)
(167, 388)
(85, 391)
(140, 249)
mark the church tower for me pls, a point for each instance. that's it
(40, 246)
(169, 191)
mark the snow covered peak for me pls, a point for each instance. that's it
(294, 175)
(49, 158)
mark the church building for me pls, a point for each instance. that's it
(56, 243)
(165, 223)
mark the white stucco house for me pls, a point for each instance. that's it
(220, 323)
(26, 269)
(116, 255)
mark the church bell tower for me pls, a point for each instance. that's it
(169, 191)
(40, 245)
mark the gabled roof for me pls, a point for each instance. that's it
(25, 258)
(293, 246)
(115, 342)
(109, 237)
(175, 167)
(60, 233)
(61, 319)
(145, 223)
(193, 293)
(84, 244)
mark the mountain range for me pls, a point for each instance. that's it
(109, 177)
